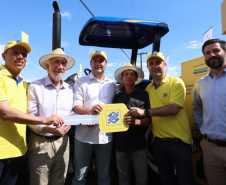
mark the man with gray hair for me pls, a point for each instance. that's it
(48, 151)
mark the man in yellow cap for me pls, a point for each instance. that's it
(47, 96)
(89, 93)
(13, 108)
(171, 129)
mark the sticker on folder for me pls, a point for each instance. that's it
(111, 118)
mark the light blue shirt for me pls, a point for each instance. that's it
(209, 109)
(44, 100)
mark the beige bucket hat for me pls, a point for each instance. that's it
(57, 53)
(127, 66)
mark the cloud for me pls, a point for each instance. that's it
(144, 64)
(1, 50)
(194, 45)
(66, 14)
(90, 50)
(111, 64)
(174, 71)
(146, 75)
(1, 47)
(64, 44)
(110, 75)
(2, 61)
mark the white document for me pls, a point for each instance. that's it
(81, 119)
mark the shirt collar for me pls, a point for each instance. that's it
(211, 75)
(165, 79)
(92, 77)
(5, 71)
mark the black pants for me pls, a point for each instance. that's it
(10, 169)
(174, 157)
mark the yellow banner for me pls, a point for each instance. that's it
(24, 37)
(80, 71)
(191, 72)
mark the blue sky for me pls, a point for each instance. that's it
(188, 20)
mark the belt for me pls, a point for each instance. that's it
(168, 139)
(215, 141)
(48, 137)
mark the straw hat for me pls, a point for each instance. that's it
(129, 66)
(57, 53)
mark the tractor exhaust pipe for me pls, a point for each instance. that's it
(56, 40)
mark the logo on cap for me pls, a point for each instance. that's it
(98, 51)
(154, 53)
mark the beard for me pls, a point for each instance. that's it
(216, 64)
(57, 77)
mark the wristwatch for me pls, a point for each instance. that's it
(147, 112)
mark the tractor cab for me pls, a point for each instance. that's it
(123, 33)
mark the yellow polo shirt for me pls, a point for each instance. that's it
(170, 91)
(12, 135)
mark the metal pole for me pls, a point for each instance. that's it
(141, 58)
(87, 8)
(56, 40)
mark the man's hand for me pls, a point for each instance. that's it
(130, 119)
(137, 112)
(61, 131)
(54, 119)
(96, 109)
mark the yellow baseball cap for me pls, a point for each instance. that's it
(155, 54)
(11, 44)
(98, 53)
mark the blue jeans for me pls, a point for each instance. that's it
(10, 169)
(174, 155)
(137, 160)
(82, 156)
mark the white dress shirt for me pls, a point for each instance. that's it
(88, 91)
(44, 100)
